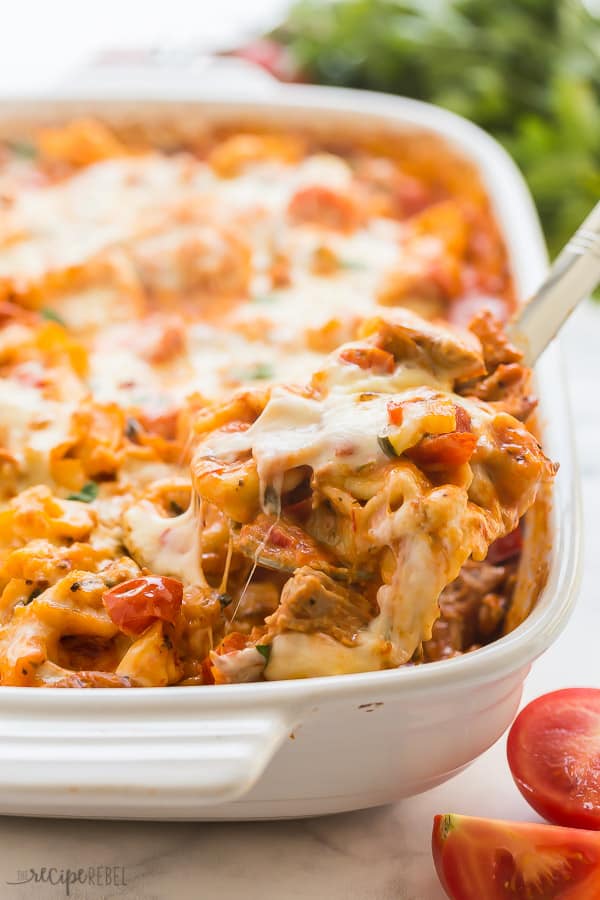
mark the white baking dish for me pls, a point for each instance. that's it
(321, 745)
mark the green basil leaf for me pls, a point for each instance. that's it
(23, 148)
(257, 372)
(264, 650)
(87, 493)
(47, 313)
(264, 298)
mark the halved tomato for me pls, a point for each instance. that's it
(554, 756)
(485, 859)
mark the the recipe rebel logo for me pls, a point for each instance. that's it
(72, 879)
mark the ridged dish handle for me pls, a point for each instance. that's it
(133, 748)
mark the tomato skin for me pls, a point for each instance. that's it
(553, 752)
(395, 412)
(135, 604)
(506, 547)
(320, 205)
(231, 643)
(370, 357)
(443, 450)
(487, 859)
(463, 419)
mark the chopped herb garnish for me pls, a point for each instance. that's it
(386, 445)
(22, 148)
(87, 493)
(35, 593)
(264, 298)
(47, 313)
(264, 650)
(132, 429)
(224, 599)
(352, 264)
(257, 372)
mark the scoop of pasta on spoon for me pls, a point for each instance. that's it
(408, 470)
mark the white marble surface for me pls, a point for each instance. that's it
(371, 855)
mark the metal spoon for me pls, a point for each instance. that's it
(573, 275)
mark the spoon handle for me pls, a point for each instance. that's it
(573, 275)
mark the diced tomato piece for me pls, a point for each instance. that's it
(463, 419)
(484, 859)
(395, 410)
(443, 450)
(231, 643)
(279, 538)
(411, 196)
(463, 309)
(162, 423)
(554, 756)
(506, 547)
(10, 312)
(135, 604)
(162, 340)
(320, 205)
(207, 675)
(369, 358)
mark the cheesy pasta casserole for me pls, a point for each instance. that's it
(245, 433)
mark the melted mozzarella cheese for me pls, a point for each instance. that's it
(122, 202)
(169, 546)
(57, 227)
(294, 431)
(30, 426)
(344, 427)
(431, 532)
(240, 666)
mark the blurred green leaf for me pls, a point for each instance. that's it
(526, 70)
(87, 493)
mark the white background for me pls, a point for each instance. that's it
(42, 41)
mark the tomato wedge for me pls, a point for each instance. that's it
(554, 756)
(484, 859)
(135, 604)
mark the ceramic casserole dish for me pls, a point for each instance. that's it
(320, 745)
